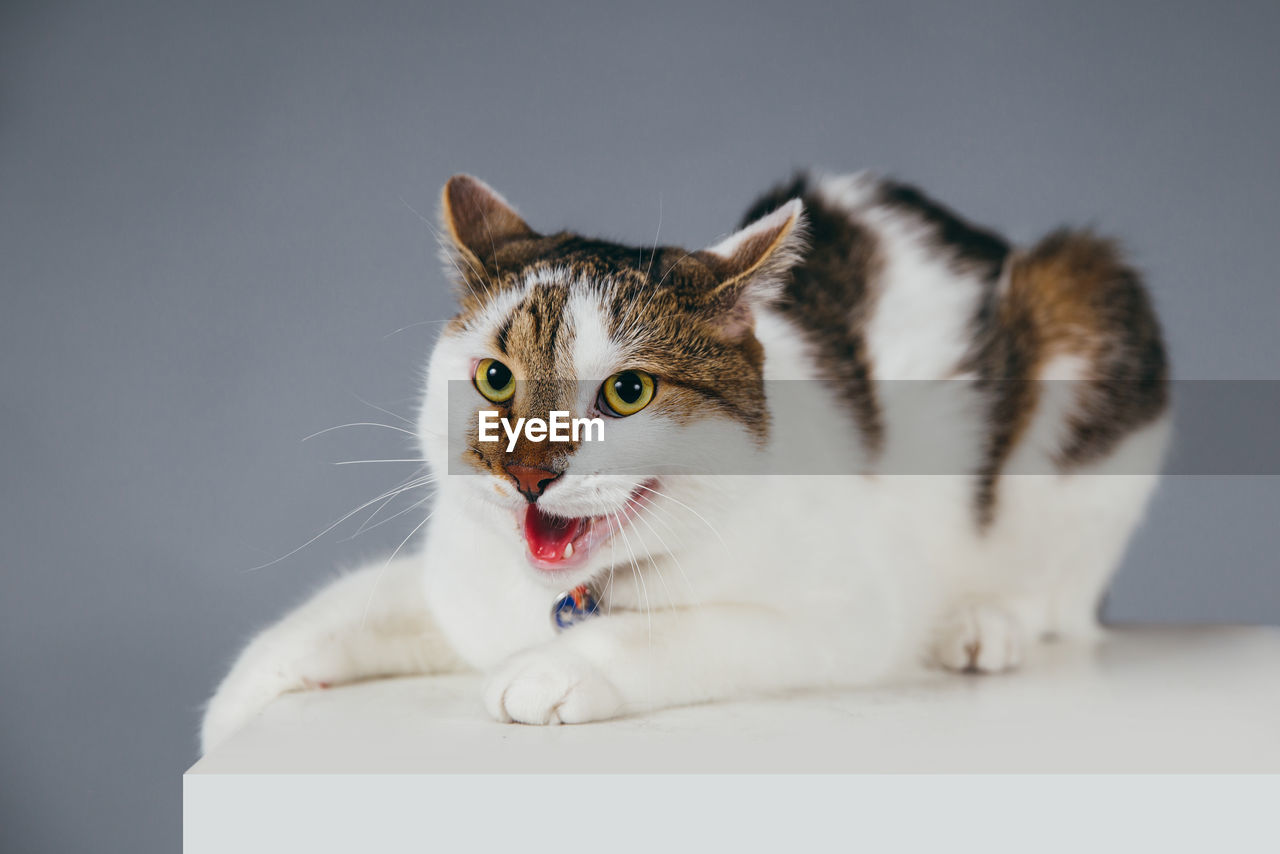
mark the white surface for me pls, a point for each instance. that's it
(661, 813)
(1143, 700)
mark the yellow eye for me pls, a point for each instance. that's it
(495, 381)
(627, 392)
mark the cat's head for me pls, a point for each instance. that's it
(657, 343)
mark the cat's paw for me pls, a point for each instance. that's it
(550, 685)
(980, 638)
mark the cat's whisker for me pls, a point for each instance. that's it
(374, 588)
(690, 509)
(408, 485)
(447, 252)
(654, 252)
(484, 217)
(358, 424)
(452, 256)
(635, 570)
(640, 516)
(648, 607)
(657, 570)
(663, 514)
(411, 326)
(382, 409)
(359, 462)
(672, 267)
(613, 559)
(344, 518)
(370, 518)
(365, 526)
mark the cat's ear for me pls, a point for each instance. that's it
(478, 222)
(751, 265)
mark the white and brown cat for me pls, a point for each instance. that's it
(714, 584)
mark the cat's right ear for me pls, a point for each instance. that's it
(751, 265)
(478, 223)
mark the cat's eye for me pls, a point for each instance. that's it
(626, 393)
(495, 381)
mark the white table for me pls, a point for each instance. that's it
(1142, 700)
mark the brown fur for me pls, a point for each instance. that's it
(969, 247)
(1071, 294)
(829, 296)
(1082, 298)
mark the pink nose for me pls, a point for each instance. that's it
(531, 481)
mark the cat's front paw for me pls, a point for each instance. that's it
(550, 685)
(978, 638)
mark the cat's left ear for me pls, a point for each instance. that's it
(751, 265)
(479, 222)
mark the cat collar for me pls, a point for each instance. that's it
(574, 606)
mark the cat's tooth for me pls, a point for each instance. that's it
(568, 551)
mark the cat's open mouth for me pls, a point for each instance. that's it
(557, 544)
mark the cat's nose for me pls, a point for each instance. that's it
(532, 481)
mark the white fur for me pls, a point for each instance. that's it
(919, 330)
(725, 586)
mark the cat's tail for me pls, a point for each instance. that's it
(369, 623)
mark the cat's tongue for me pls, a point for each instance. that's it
(550, 538)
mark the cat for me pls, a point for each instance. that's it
(586, 585)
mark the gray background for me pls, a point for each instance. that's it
(206, 242)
